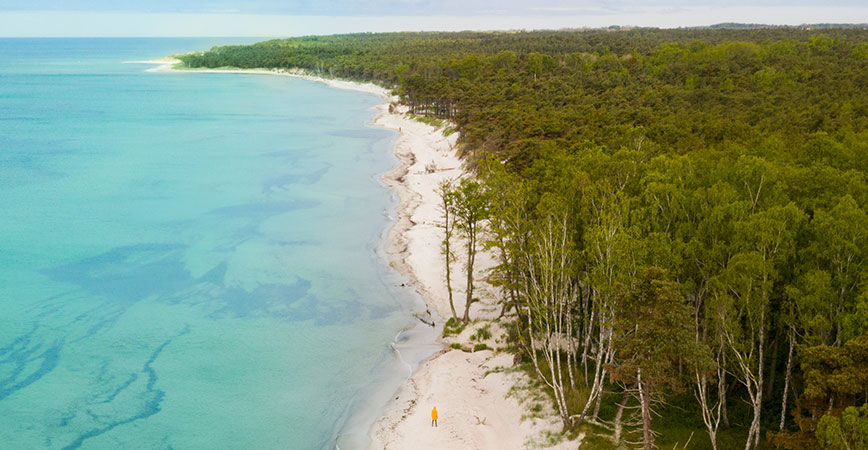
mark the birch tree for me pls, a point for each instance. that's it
(548, 289)
(767, 239)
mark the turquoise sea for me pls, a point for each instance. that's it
(189, 261)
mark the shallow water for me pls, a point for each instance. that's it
(186, 260)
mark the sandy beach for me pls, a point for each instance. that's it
(483, 403)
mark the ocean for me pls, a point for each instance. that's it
(189, 261)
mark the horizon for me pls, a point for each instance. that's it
(273, 18)
(613, 27)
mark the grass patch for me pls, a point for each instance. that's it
(480, 347)
(456, 346)
(501, 369)
(453, 327)
(546, 439)
(428, 120)
(597, 442)
(482, 333)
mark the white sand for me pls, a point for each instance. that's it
(476, 409)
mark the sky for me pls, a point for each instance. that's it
(283, 18)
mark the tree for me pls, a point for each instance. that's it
(848, 432)
(471, 210)
(841, 248)
(835, 379)
(744, 295)
(447, 204)
(507, 229)
(654, 339)
(547, 285)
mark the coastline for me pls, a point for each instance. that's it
(166, 65)
(482, 402)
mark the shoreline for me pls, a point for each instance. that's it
(166, 65)
(483, 403)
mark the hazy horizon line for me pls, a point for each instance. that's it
(103, 24)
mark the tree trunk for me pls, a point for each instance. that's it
(710, 414)
(610, 354)
(571, 349)
(471, 257)
(449, 269)
(599, 374)
(596, 414)
(755, 393)
(787, 377)
(447, 198)
(773, 367)
(509, 280)
(558, 390)
(712, 431)
(617, 421)
(722, 389)
(645, 399)
(753, 435)
(587, 345)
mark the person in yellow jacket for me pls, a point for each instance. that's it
(434, 417)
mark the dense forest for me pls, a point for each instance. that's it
(680, 216)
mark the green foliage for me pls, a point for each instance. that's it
(456, 346)
(471, 207)
(837, 373)
(847, 432)
(836, 381)
(655, 333)
(503, 88)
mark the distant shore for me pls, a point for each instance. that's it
(168, 65)
(473, 391)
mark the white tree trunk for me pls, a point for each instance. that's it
(645, 400)
(787, 377)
